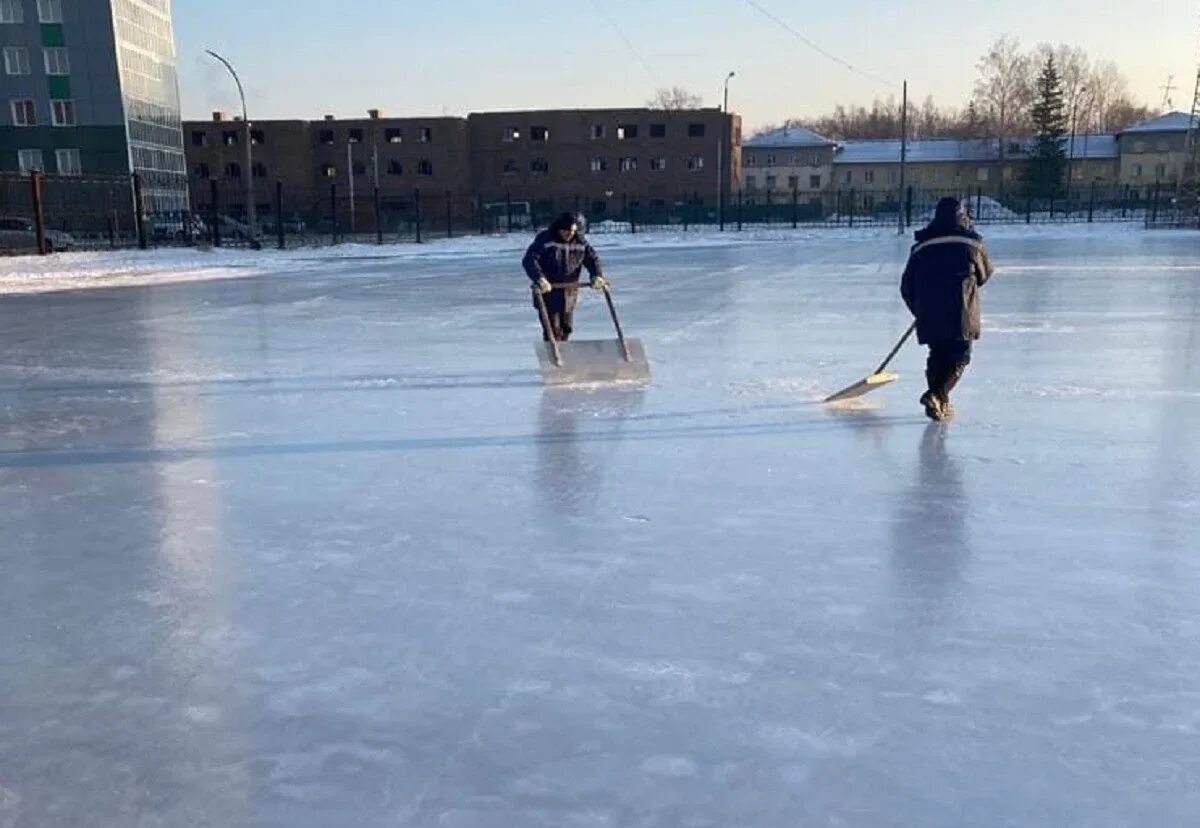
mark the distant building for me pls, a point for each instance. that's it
(1153, 153)
(319, 160)
(92, 90)
(605, 160)
(602, 162)
(788, 161)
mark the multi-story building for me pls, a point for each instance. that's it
(786, 162)
(92, 90)
(319, 160)
(1153, 153)
(518, 164)
(606, 160)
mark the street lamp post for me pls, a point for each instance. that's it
(251, 218)
(721, 147)
(1074, 127)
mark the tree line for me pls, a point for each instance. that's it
(1006, 93)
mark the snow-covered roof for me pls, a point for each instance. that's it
(949, 150)
(1171, 122)
(788, 137)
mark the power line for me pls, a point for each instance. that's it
(810, 44)
(628, 43)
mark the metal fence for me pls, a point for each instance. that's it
(52, 213)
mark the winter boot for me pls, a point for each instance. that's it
(946, 386)
(934, 409)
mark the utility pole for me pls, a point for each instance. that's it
(350, 179)
(722, 143)
(903, 158)
(251, 217)
(1074, 128)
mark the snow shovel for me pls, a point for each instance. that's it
(589, 361)
(878, 379)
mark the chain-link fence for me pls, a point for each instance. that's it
(59, 213)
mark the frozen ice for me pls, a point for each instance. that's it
(314, 547)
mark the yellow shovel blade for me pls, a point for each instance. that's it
(865, 386)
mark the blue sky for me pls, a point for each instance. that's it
(305, 58)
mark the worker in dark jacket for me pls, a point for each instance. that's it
(946, 268)
(554, 263)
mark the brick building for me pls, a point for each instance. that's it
(604, 162)
(324, 162)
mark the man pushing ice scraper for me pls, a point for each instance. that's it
(554, 264)
(946, 269)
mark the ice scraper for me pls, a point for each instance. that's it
(879, 378)
(590, 361)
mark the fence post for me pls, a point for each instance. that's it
(741, 206)
(795, 207)
(378, 209)
(39, 213)
(1028, 209)
(1152, 217)
(633, 220)
(279, 215)
(1125, 203)
(417, 207)
(979, 203)
(1092, 204)
(851, 206)
(215, 189)
(482, 217)
(111, 215)
(139, 212)
(333, 209)
(508, 210)
(449, 215)
(908, 205)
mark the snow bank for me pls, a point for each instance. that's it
(99, 269)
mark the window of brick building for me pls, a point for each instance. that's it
(598, 132)
(512, 134)
(696, 163)
(229, 138)
(392, 136)
(658, 130)
(695, 130)
(326, 136)
(257, 137)
(629, 165)
(354, 136)
(425, 135)
(511, 167)
(199, 139)
(539, 166)
(425, 167)
(627, 132)
(599, 165)
(201, 171)
(328, 170)
(539, 134)
(814, 182)
(259, 169)
(233, 170)
(395, 168)
(658, 164)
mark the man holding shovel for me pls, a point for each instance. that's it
(946, 268)
(554, 263)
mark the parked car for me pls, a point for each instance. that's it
(293, 225)
(190, 230)
(19, 235)
(232, 229)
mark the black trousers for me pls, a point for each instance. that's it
(946, 365)
(560, 307)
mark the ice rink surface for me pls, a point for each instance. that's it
(314, 547)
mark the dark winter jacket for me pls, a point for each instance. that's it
(946, 268)
(559, 261)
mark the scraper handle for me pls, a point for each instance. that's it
(911, 330)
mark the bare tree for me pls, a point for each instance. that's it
(1004, 88)
(675, 99)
